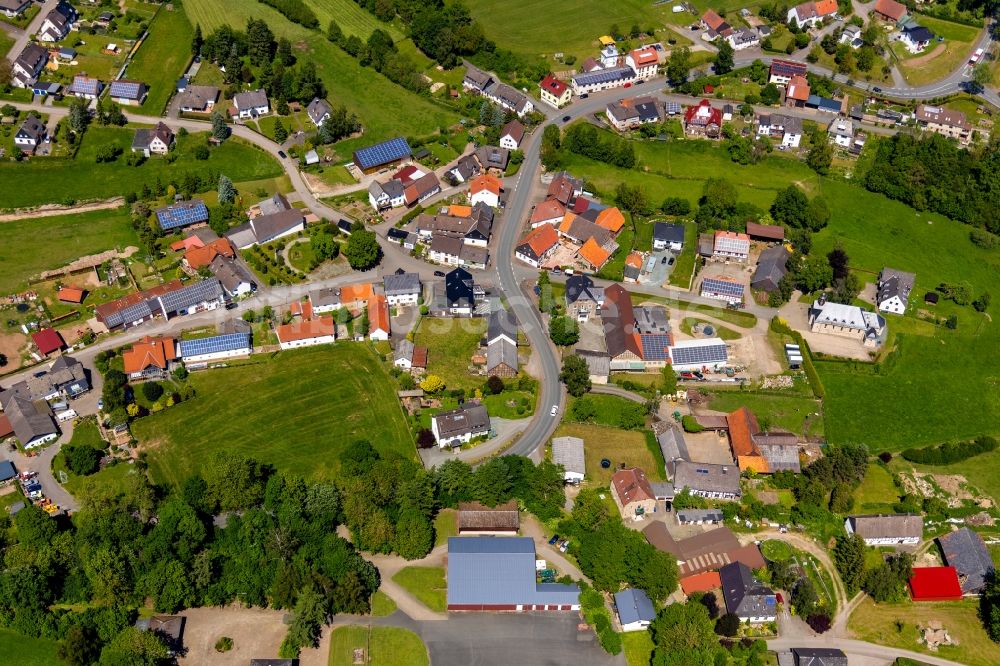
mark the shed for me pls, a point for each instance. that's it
(7, 471)
(935, 584)
(48, 341)
(701, 582)
(568, 452)
(476, 518)
(966, 551)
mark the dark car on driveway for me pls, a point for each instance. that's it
(439, 273)
(566, 119)
(282, 154)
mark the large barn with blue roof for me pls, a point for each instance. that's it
(498, 574)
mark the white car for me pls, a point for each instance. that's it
(554, 410)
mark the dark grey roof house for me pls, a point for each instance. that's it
(31, 421)
(707, 480)
(582, 287)
(319, 110)
(493, 157)
(966, 551)
(498, 574)
(745, 596)
(887, 529)
(635, 610)
(459, 290)
(771, 268)
(503, 324)
(668, 235)
(458, 426)
(819, 657)
(401, 285)
(67, 376)
(699, 516)
(169, 627)
(671, 441)
(894, 289)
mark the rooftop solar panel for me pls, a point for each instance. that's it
(707, 355)
(655, 347)
(215, 344)
(183, 214)
(604, 76)
(129, 314)
(199, 292)
(382, 153)
(723, 287)
(126, 89)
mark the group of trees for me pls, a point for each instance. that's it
(885, 582)
(587, 140)
(295, 11)
(362, 249)
(381, 54)
(827, 484)
(950, 452)
(274, 546)
(689, 633)
(935, 173)
(538, 487)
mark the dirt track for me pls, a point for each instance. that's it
(51, 210)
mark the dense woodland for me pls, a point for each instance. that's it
(935, 173)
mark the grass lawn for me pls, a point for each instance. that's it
(552, 29)
(684, 266)
(445, 525)
(618, 446)
(949, 55)
(688, 324)
(498, 405)
(607, 408)
(382, 604)
(352, 18)
(876, 623)
(936, 368)
(877, 493)
(42, 181)
(790, 413)
(19, 650)
(374, 98)
(30, 246)
(450, 345)
(109, 479)
(383, 646)
(638, 647)
(306, 404)
(163, 56)
(427, 584)
(776, 551)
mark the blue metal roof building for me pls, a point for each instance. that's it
(635, 610)
(182, 214)
(382, 154)
(498, 574)
(7, 470)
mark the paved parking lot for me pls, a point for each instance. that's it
(488, 639)
(661, 270)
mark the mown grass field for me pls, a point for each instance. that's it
(877, 493)
(427, 584)
(618, 446)
(792, 413)
(296, 410)
(450, 345)
(554, 27)
(18, 650)
(162, 57)
(58, 180)
(29, 246)
(876, 623)
(382, 604)
(445, 525)
(638, 646)
(954, 51)
(352, 18)
(383, 646)
(376, 100)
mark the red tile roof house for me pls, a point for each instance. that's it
(48, 341)
(537, 245)
(632, 493)
(554, 92)
(889, 10)
(703, 120)
(935, 584)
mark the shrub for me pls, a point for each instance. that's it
(690, 424)
(224, 644)
(727, 625)
(885, 457)
(950, 452)
(819, 622)
(82, 460)
(152, 391)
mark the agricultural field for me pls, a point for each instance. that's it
(21, 650)
(791, 413)
(30, 246)
(163, 57)
(383, 646)
(295, 410)
(375, 99)
(877, 623)
(427, 584)
(618, 446)
(940, 58)
(450, 343)
(39, 181)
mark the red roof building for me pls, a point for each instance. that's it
(48, 341)
(935, 584)
(703, 120)
(71, 295)
(701, 582)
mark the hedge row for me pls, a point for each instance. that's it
(779, 326)
(950, 452)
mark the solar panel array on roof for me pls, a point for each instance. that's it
(604, 76)
(180, 215)
(724, 287)
(131, 313)
(655, 347)
(382, 153)
(215, 344)
(673, 108)
(126, 89)
(706, 355)
(199, 292)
